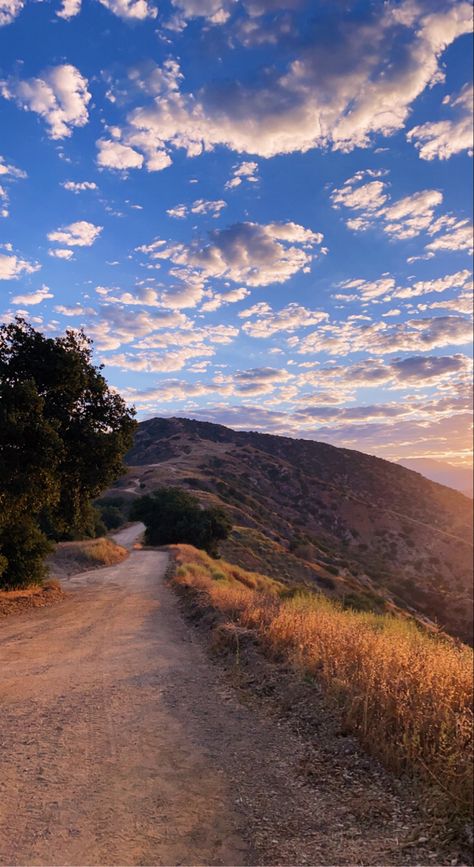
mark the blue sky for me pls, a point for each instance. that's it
(259, 209)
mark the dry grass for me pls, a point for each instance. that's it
(72, 557)
(406, 694)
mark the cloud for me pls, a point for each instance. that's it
(244, 253)
(9, 9)
(259, 380)
(403, 218)
(126, 9)
(349, 81)
(289, 319)
(10, 171)
(79, 234)
(113, 155)
(61, 253)
(458, 280)
(218, 299)
(69, 8)
(131, 9)
(367, 290)
(459, 238)
(59, 95)
(442, 139)
(381, 337)
(12, 266)
(34, 297)
(244, 171)
(200, 206)
(79, 186)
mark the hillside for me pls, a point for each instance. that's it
(373, 533)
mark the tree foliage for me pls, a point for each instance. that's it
(63, 434)
(172, 515)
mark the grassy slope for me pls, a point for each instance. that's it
(361, 529)
(406, 694)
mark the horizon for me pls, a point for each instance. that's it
(279, 240)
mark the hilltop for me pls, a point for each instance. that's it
(372, 533)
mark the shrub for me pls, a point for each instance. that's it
(172, 515)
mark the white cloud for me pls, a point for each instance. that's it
(131, 9)
(61, 253)
(290, 318)
(243, 253)
(367, 290)
(11, 266)
(79, 186)
(218, 299)
(59, 95)
(126, 9)
(442, 139)
(245, 171)
(69, 8)
(113, 155)
(9, 9)
(200, 206)
(333, 92)
(413, 335)
(10, 171)
(458, 238)
(439, 284)
(34, 297)
(79, 234)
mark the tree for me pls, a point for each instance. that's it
(63, 434)
(173, 516)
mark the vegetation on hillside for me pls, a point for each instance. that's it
(385, 534)
(406, 694)
(171, 515)
(63, 435)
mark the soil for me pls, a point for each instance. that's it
(123, 743)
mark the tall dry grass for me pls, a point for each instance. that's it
(407, 694)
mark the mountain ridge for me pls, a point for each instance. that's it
(360, 527)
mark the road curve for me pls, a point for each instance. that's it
(96, 765)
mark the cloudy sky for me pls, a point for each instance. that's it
(259, 209)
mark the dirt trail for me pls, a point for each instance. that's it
(121, 743)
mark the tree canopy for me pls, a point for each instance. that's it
(63, 435)
(172, 515)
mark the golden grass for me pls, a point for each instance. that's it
(85, 554)
(407, 694)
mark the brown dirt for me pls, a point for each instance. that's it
(18, 601)
(122, 743)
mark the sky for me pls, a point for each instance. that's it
(260, 210)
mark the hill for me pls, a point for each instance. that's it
(459, 478)
(376, 535)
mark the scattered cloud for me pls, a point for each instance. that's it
(244, 253)
(61, 253)
(79, 186)
(243, 172)
(333, 92)
(12, 266)
(200, 206)
(79, 234)
(33, 297)
(59, 95)
(444, 138)
(9, 9)
(290, 319)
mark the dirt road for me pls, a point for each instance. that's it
(121, 743)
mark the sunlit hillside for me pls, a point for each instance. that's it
(406, 694)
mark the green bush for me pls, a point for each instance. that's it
(172, 516)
